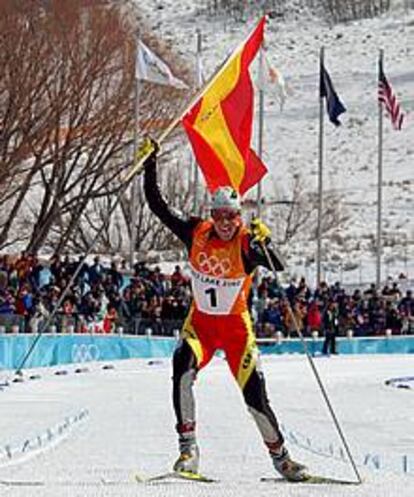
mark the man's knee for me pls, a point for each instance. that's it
(183, 361)
(254, 392)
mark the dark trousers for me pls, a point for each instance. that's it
(329, 345)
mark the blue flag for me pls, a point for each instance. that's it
(334, 106)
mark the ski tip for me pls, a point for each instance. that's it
(312, 480)
(175, 475)
(186, 475)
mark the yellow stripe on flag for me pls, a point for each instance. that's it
(212, 126)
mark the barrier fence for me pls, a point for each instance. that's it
(53, 349)
(79, 323)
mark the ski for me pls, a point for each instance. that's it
(54, 483)
(311, 480)
(175, 475)
(137, 478)
(22, 483)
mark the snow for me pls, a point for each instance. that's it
(128, 428)
(112, 424)
(291, 137)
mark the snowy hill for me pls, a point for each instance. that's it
(291, 136)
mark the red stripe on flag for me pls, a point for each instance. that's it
(255, 170)
(214, 172)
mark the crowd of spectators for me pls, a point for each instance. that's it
(102, 297)
(108, 298)
(362, 313)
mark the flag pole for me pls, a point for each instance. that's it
(261, 121)
(199, 84)
(135, 182)
(138, 165)
(320, 173)
(379, 192)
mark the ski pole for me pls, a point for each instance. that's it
(315, 371)
(143, 153)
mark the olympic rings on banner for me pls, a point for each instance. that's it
(213, 265)
(85, 352)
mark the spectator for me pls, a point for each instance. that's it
(330, 328)
(295, 318)
(96, 271)
(303, 291)
(177, 278)
(314, 318)
(110, 320)
(7, 303)
(272, 319)
(116, 276)
(406, 311)
(291, 291)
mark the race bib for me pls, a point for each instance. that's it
(214, 295)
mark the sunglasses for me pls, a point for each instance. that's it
(224, 215)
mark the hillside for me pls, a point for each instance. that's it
(291, 136)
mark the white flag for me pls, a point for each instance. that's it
(274, 80)
(150, 67)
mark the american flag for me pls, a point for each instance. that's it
(388, 98)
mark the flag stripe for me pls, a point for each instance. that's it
(387, 97)
(255, 170)
(214, 172)
(213, 127)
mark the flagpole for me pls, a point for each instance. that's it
(138, 166)
(261, 120)
(135, 182)
(199, 84)
(379, 193)
(320, 175)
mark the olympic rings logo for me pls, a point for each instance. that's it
(213, 265)
(85, 352)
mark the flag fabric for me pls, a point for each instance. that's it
(274, 79)
(387, 97)
(334, 106)
(219, 125)
(150, 67)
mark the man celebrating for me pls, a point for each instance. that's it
(223, 255)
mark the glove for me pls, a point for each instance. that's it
(259, 230)
(148, 148)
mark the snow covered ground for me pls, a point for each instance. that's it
(291, 136)
(127, 428)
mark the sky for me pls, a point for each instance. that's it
(110, 424)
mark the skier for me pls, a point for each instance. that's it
(223, 255)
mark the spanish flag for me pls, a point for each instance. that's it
(219, 125)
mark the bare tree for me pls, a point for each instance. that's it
(298, 217)
(67, 114)
(347, 10)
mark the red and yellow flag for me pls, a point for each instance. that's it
(219, 125)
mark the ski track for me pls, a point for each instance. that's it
(130, 430)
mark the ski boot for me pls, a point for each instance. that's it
(289, 469)
(189, 458)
